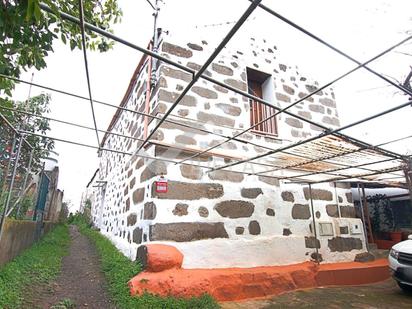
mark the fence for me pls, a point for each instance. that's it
(23, 195)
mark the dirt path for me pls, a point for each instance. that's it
(80, 283)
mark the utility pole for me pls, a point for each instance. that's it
(153, 77)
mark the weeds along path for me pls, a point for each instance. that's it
(80, 283)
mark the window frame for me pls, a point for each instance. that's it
(259, 110)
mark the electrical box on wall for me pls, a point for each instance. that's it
(161, 185)
(355, 228)
(325, 229)
(344, 230)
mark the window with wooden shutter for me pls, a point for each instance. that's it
(259, 85)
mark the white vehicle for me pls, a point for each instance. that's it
(400, 264)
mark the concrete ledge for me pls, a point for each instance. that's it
(352, 273)
(259, 282)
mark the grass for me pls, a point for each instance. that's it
(118, 270)
(38, 265)
(66, 303)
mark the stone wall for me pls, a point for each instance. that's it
(224, 218)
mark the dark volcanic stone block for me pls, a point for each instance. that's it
(341, 244)
(300, 211)
(187, 231)
(138, 195)
(312, 242)
(254, 228)
(287, 196)
(190, 191)
(149, 211)
(318, 194)
(176, 50)
(235, 209)
(180, 209)
(251, 192)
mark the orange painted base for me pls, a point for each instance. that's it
(245, 283)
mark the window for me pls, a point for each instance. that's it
(325, 229)
(260, 85)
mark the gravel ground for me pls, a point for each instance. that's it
(385, 294)
(80, 283)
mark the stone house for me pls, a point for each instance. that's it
(226, 218)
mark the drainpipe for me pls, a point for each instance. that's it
(152, 67)
(314, 224)
(155, 45)
(363, 220)
(148, 93)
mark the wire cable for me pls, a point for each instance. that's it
(199, 73)
(279, 111)
(86, 65)
(205, 77)
(398, 107)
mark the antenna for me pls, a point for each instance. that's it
(156, 8)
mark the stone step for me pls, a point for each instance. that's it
(372, 246)
(379, 253)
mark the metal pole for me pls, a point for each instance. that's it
(155, 46)
(243, 93)
(337, 200)
(408, 177)
(363, 219)
(130, 154)
(6, 205)
(390, 110)
(279, 111)
(366, 207)
(127, 110)
(213, 133)
(378, 172)
(86, 66)
(26, 177)
(13, 128)
(6, 173)
(345, 166)
(331, 170)
(196, 76)
(314, 224)
(342, 154)
(291, 23)
(148, 94)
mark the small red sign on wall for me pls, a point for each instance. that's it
(161, 185)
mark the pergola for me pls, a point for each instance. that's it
(330, 156)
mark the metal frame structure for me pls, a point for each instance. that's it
(228, 87)
(333, 164)
(86, 66)
(16, 135)
(387, 156)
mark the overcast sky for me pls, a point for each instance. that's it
(361, 28)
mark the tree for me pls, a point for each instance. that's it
(38, 105)
(27, 33)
